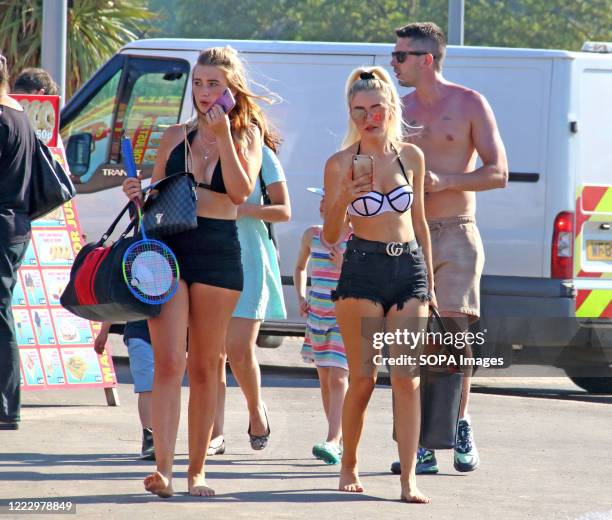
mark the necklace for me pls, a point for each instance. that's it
(205, 145)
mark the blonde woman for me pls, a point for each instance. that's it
(387, 266)
(224, 155)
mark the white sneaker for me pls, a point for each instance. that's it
(216, 446)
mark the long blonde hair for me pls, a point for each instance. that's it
(383, 83)
(246, 112)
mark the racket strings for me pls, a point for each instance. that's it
(151, 271)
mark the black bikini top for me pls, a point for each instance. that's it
(374, 203)
(176, 164)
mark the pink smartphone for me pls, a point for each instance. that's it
(362, 165)
(226, 100)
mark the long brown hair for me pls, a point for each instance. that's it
(246, 112)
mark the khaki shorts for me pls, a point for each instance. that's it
(458, 258)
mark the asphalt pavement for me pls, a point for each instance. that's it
(544, 445)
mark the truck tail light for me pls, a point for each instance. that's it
(562, 254)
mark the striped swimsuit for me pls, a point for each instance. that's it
(323, 343)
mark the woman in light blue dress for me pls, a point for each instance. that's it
(261, 298)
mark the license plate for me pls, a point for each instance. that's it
(599, 250)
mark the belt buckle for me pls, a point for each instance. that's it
(395, 248)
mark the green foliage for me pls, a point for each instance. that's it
(318, 20)
(18, 24)
(507, 23)
(557, 24)
(96, 30)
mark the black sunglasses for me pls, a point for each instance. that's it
(400, 56)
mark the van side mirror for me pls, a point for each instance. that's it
(78, 153)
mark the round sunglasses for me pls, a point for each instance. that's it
(360, 115)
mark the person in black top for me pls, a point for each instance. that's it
(17, 142)
(224, 153)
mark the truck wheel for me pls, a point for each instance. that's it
(594, 385)
(267, 341)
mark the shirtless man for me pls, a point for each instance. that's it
(457, 126)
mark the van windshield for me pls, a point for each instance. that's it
(142, 97)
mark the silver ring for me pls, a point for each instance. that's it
(395, 248)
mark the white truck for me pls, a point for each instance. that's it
(547, 236)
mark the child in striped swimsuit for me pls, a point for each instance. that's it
(323, 344)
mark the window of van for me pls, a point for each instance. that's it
(156, 91)
(95, 120)
(143, 97)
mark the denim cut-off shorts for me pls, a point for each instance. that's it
(385, 273)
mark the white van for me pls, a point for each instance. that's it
(547, 236)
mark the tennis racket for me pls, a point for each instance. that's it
(150, 269)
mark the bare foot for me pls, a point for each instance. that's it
(412, 494)
(198, 488)
(349, 481)
(159, 485)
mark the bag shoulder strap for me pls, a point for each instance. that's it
(438, 319)
(112, 227)
(266, 200)
(264, 188)
(187, 148)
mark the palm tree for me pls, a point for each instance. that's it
(96, 30)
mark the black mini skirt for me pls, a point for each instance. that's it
(209, 254)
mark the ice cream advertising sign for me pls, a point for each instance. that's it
(55, 347)
(43, 113)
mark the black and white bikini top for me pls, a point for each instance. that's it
(374, 203)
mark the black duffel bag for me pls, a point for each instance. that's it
(440, 399)
(97, 290)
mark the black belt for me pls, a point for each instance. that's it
(385, 248)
